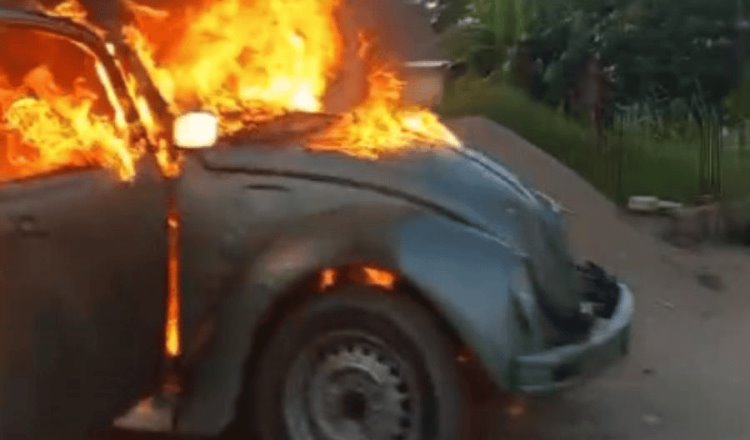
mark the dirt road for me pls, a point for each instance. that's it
(688, 375)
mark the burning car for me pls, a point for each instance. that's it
(307, 275)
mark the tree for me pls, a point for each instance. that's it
(658, 51)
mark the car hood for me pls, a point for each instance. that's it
(463, 184)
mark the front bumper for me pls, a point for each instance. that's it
(557, 368)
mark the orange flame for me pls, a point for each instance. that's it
(172, 327)
(75, 11)
(379, 277)
(59, 112)
(71, 9)
(327, 279)
(252, 60)
(370, 275)
(44, 127)
(248, 61)
(382, 123)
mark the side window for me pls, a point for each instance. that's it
(54, 108)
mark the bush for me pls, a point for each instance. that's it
(633, 163)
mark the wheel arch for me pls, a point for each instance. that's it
(310, 286)
(288, 273)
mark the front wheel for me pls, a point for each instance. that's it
(358, 364)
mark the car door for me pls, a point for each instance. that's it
(83, 258)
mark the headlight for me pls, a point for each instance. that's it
(196, 130)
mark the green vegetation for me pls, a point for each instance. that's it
(637, 161)
(637, 96)
(663, 52)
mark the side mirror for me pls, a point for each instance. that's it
(195, 130)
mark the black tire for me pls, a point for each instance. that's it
(358, 364)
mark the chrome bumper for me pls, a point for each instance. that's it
(557, 368)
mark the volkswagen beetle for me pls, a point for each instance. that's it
(321, 296)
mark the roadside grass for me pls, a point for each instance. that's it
(632, 163)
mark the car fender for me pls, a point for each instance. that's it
(466, 275)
